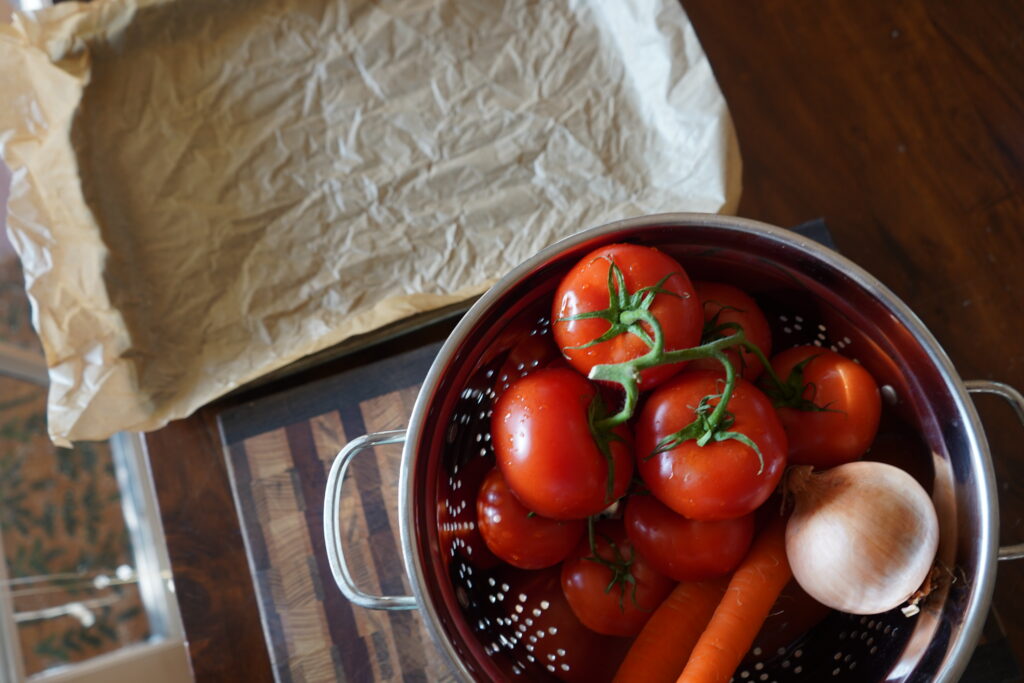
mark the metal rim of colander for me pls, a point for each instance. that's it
(961, 645)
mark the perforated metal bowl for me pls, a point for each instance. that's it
(814, 296)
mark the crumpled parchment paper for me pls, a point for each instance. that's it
(207, 190)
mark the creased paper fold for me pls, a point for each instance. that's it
(205, 191)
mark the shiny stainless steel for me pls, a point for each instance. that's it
(30, 5)
(1016, 401)
(332, 530)
(920, 381)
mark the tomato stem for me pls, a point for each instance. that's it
(603, 436)
(790, 394)
(619, 566)
(622, 305)
(627, 374)
(783, 393)
(768, 369)
(730, 384)
(630, 313)
(706, 427)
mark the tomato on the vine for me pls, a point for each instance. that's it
(516, 535)
(686, 549)
(837, 412)
(548, 452)
(724, 478)
(652, 283)
(617, 594)
(725, 306)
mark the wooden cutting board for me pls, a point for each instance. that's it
(279, 451)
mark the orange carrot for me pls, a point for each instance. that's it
(661, 649)
(749, 598)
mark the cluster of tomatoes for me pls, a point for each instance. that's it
(652, 474)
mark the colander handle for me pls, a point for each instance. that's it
(332, 529)
(1016, 401)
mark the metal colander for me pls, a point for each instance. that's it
(493, 622)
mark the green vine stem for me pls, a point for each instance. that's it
(619, 566)
(628, 313)
(783, 393)
(750, 347)
(790, 393)
(603, 436)
(715, 418)
(627, 374)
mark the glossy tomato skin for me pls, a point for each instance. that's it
(686, 549)
(845, 431)
(733, 305)
(585, 289)
(619, 611)
(547, 637)
(545, 449)
(519, 538)
(720, 480)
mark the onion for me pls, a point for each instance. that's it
(862, 536)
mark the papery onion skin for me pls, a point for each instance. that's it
(862, 536)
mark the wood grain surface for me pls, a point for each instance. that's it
(315, 634)
(279, 451)
(211, 573)
(899, 123)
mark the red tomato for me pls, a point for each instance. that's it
(585, 290)
(686, 549)
(612, 609)
(848, 392)
(545, 449)
(513, 534)
(726, 304)
(722, 479)
(546, 635)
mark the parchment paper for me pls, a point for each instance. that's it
(207, 190)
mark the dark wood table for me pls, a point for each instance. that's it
(899, 123)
